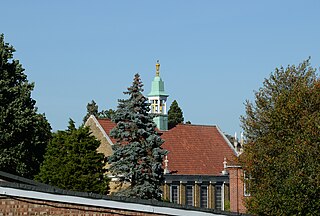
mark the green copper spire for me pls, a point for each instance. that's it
(157, 87)
(158, 101)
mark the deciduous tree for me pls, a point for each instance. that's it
(282, 154)
(137, 154)
(24, 133)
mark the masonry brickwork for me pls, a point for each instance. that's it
(237, 197)
(13, 206)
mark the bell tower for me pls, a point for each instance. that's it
(158, 100)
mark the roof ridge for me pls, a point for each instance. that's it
(203, 125)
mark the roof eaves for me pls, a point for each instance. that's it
(97, 200)
(7, 177)
(229, 143)
(104, 133)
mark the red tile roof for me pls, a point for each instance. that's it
(107, 126)
(193, 149)
(196, 149)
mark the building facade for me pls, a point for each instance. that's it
(195, 173)
(20, 196)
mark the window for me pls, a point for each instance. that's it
(189, 195)
(204, 196)
(246, 184)
(174, 194)
(154, 106)
(218, 197)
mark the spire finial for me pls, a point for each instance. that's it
(158, 68)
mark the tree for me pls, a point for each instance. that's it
(73, 163)
(175, 115)
(138, 155)
(92, 109)
(106, 114)
(24, 133)
(282, 154)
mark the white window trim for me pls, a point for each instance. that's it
(222, 195)
(245, 177)
(178, 193)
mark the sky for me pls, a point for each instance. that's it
(214, 54)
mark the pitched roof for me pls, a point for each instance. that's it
(107, 125)
(196, 149)
(193, 149)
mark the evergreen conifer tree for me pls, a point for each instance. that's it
(106, 114)
(175, 115)
(73, 163)
(282, 154)
(137, 154)
(24, 133)
(92, 109)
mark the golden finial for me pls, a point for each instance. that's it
(157, 68)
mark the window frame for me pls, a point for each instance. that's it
(221, 188)
(207, 193)
(246, 185)
(171, 194)
(192, 194)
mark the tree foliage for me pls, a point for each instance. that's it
(93, 109)
(282, 153)
(72, 162)
(24, 133)
(175, 115)
(106, 114)
(137, 154)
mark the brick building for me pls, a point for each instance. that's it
(195, 174)
(238, 192)
(20, 196)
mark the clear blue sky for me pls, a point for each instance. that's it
(213, 54)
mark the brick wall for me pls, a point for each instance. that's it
(236, 190)
(11, 206)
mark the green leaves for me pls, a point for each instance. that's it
(138, 155)
(72, 162)
(175, 115)
(23, 132)
(283, 145)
